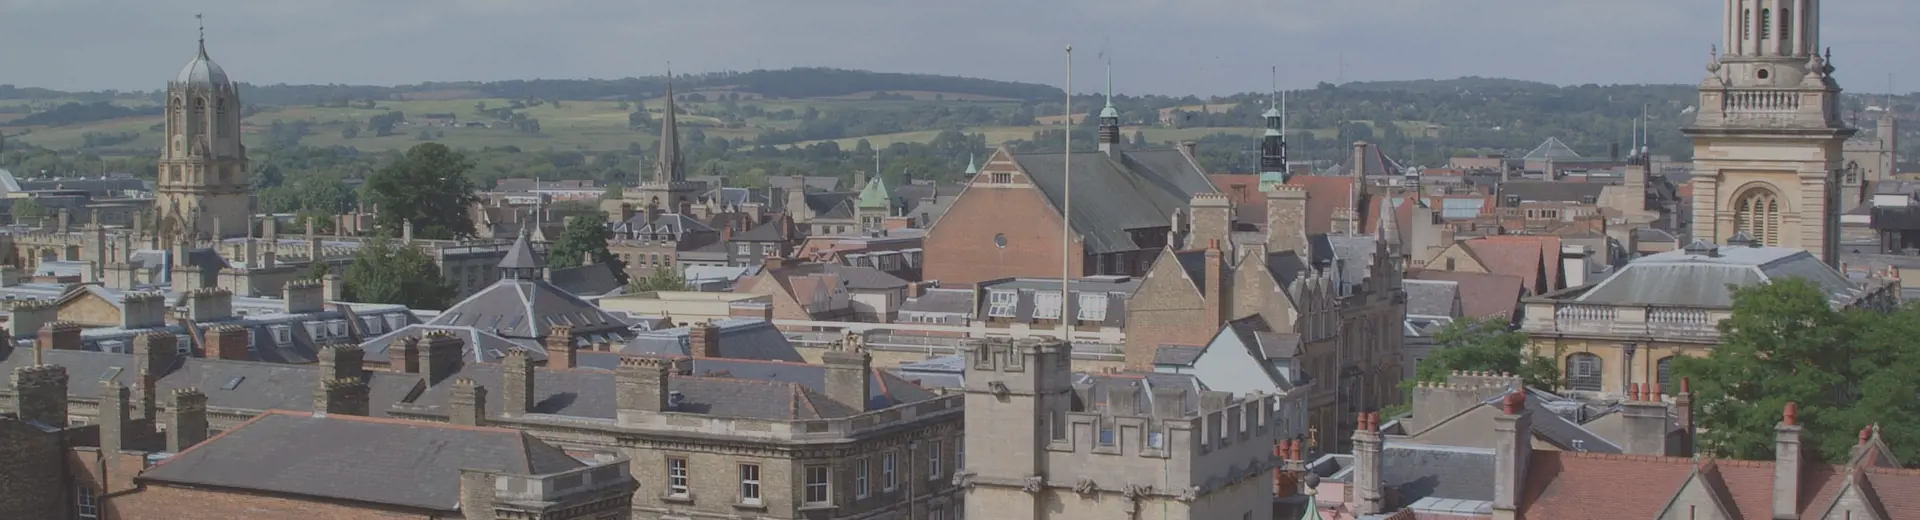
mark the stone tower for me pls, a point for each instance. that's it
(667, 189)
(1025, 387)
(1768, 137)
(203, 181)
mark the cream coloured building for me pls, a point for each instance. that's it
(203, 183)
(1768, 137)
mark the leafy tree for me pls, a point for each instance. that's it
(1785, 343)
(27, 209)
(427, 186)
(586, 235)
(661, 280)
(351, 131)
(1488, 344)
(613, 192)
(386, 272)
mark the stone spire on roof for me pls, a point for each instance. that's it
(1109, 118)
(1273, 146)
(520, 262)
(670, 167)
(972, 168)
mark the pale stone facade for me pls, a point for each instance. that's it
(1043, 443)
(1768, 136)
(203, 182)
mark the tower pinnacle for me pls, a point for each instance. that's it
(670, 167)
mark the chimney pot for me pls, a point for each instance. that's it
(1791, 416)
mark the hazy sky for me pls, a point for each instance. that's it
(1159, 46)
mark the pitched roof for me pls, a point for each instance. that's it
(1179, 355)
(242, 385)
(1243, 189)
(585, 280)
(520, 256)
(1482, 295)
(740, 338)
(1552, 148)
(875, 194)
(1567, 485)
(1432, 297)
(1681, 278)
(1522, 256)
(382, 461)
(1113, 195)
(1552, 191)
(1376, 164)
(1326, 197)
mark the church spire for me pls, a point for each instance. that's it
(1273, 146)
(670, 167)
(1110, 118)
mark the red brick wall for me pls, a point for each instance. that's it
(960, 250)
(157, 502)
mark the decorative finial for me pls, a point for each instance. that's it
(1273, 79)
(202, 21)
(1109, 81)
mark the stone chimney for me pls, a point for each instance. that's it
(561, 352)
(1287, 219)
(1191, 148)
(516, 374)
(209, 304)
(342, 361)
(1573, 265)
(332, 287)
(40, 394)
(468, 404)
(1359, 166)
(1369, 489)
(29, 316)
(186, 419)
(59, 335)
(1513, 447)
(1644, 420)
(229, 342)
(403, 355)
(849, 371)
(440, 357)
(1683, 414)
(154, 353)
(115, 416)
(750, 310)
(1786, 464)
(304, 296)
(1212, 215)
(341, 397)
(703, 339)
(65, 219)
(1217, 304)
(142, 310)
(641, 388)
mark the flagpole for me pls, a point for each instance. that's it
(1066, 211)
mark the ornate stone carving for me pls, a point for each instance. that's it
(1085, 486)
(997, 387)
(1188, 495)
(1034, 483)
(963, 479)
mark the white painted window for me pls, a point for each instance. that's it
(676, 476)
(933, 460)
(1093, 307)
(86, 503)
(745, 249)
(282, 334)
(818, 485)
(183, 344)
(886, 472)
(860, 468)
(337, 328)
(1001, 303)
(1046, 305)
(750, 484)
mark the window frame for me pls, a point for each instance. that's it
(749, 484)
(1093, 307)
(934, 453)
(996, 308)
(1592, 374)
(678, 485)
(862, 468)
(86, 502)
(888, 471)
(823, 485)
(1044, 310)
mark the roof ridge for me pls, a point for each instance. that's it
(1626, 457)
(238, 427)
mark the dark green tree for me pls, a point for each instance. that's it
(661, 280)
(427, 186)
(1785, 343)
(1490, 345)
(586, 235)
(387, 272)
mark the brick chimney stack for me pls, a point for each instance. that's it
(1786, 464)
(704, 339)
(40, 394)
(1513, 448)
(59, 335)
(1370, 495)
(229, 342)
(641, 388)
(1287, 219)
(1217, 304)
(441, 355)
(561, 352)
(403, 355)
(517, 376)
(186, 419)
(849, 369)
(342, 361)
(342, 397)
(115, 416)
(1645, 419)
(468, 404)
(1683, 413)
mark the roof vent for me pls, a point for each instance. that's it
(1702, 248)
(1742, 239)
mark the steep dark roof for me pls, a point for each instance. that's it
(1432, 297)
(1551, 191)
(381, 461)
(1140, 190)
(243, 385)
(520, 256)
(527, 308)
(1416, 471)
(585, 280)
(1179, 355)
(740, 338)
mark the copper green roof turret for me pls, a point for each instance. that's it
(1109, 112)
(875, 194)
(971, 167)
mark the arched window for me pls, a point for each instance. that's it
(1665, 368)
(1746, 23)
(1766, 24)
(1583, 372)
(1757, 212)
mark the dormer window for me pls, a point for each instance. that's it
(1001, 303)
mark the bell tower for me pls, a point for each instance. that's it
(1768, 136)
(202, 179)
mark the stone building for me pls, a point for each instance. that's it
(1628, 327)
(1044, 442)
(1870, 158)
(1338, 296)
(203, 187)
(1767, 142)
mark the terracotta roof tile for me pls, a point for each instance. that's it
(1567, 485)
(1244, 190)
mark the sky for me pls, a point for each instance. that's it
(1157, 46)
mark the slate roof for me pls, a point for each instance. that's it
(740, 338)
(1377, 164)
(1552, 148)
(243, 385)
(946, 301)
(1551, 191)
(1139, 190)
(748, 389)
(585, 280)
(835, 205)
(665, 224)
(1418, 471)
(520, 256)
(527, 308)
(1481, 295)
(1432, 297)
(397, 463)
(481, 346)
(1177, 355)
(1679, 278)
(866, 278)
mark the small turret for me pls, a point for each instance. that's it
(1110, 119)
